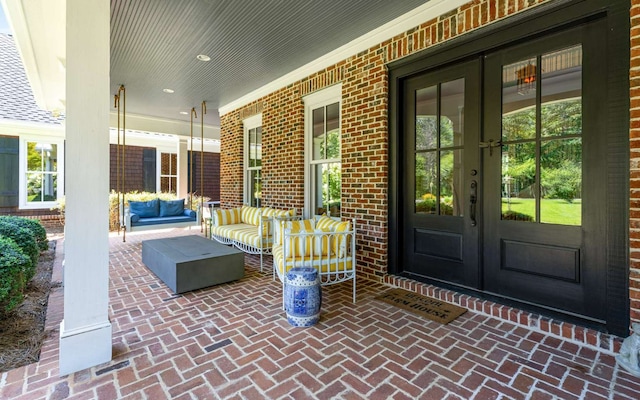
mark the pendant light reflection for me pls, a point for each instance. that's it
(526, 79)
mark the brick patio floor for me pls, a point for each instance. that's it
(233, 341)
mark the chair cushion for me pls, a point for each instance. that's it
(162, 220)
(340, 243)
(243, 233)
(250, 215)
(171, 208)
(321, 242)
(323, 264)
(326, 222)
(298, 246)
(226, 217)
(145, 209)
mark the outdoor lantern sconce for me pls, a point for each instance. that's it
(526, 78)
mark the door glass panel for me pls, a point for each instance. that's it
(561, 181)
(542, 159)
(426, 118)
(439, 138)
(451, 182)
(519, 100)
(518, 181)
(426, 182)
(451, 113)
(561, 86)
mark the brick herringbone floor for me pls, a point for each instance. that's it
(233, 341)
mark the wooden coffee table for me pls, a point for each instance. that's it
(186, 263)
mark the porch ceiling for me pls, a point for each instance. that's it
(154, 45)
(251, 43)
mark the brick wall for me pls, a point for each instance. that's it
(364, 119)
(634, 173)
(134, 177)
(211, 181)
(133, 168)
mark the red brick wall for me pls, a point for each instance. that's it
(634, 184)
(231, 160)
(134, 178)
(133, 172)
(364, 129)
(211, 181)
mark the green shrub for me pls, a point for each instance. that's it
(428, 205)
(34, 226)
(13, 263)
(25, 241)
(516, 216)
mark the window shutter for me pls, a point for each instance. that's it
(149, 169)
(9, 175)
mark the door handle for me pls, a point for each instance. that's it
(490, 145)
(473, 199)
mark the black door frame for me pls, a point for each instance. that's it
(539, 21)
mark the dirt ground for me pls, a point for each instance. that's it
(22, 330)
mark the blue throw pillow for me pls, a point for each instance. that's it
(189, 213)
(135, 217)
(145, 209)
(171, 208)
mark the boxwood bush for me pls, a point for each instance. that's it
(34, 226)
(25, 241)
(13, 264)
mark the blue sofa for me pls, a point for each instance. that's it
(157, 214)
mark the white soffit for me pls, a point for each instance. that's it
(145, 123)
(39, 31)
(419, 15)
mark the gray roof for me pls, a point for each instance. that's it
(16, 97)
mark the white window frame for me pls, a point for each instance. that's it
(159, 175)
(321, 98)
(248, 124)
(59, 142)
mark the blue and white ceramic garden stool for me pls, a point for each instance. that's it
(302, 296)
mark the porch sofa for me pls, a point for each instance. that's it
(250, 229)
(157, 213)
(324, 243)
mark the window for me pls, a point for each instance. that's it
(169, 172)
(41, 175)
(322, 149)
(253, 160)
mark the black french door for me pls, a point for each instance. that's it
(442, 162)
(504, 161)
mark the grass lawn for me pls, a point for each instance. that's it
(552, 211)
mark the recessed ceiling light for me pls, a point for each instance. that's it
(184, 113)
(168, 90)
(203, 57)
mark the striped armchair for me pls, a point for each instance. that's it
(326, 244)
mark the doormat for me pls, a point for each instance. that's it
(427, 307)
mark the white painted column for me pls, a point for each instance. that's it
(183, 169)
(85, 332)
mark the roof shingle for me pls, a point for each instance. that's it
(17, 102)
